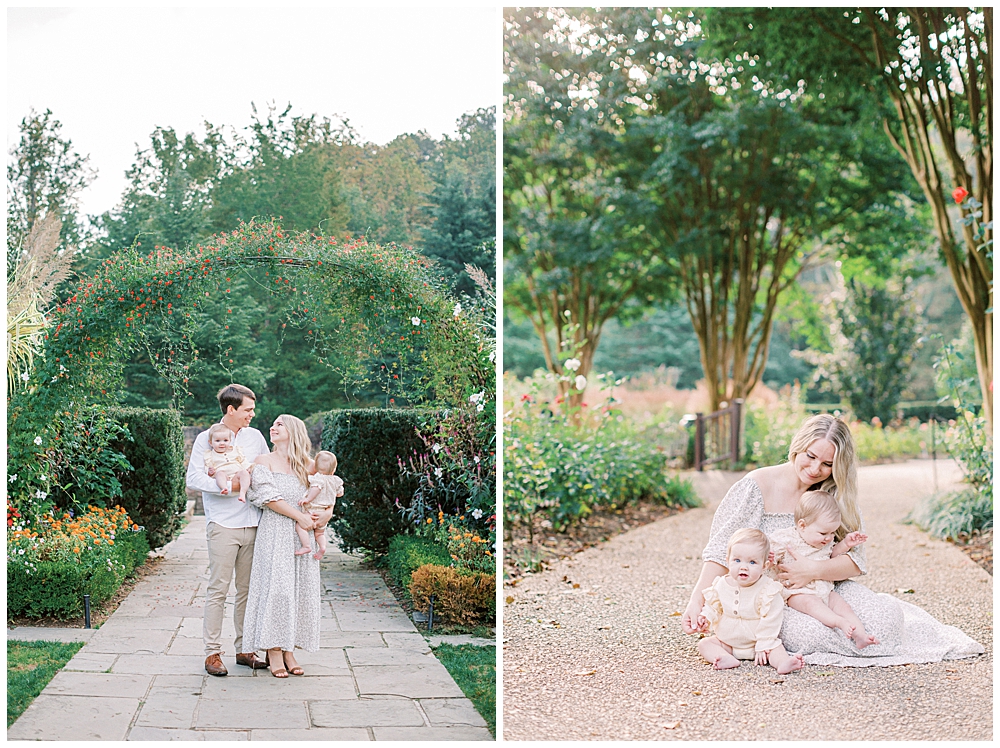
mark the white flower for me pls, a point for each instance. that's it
(415, 321)
(26, 376)
(477, 513)
(477, 397)
(493, 355)
(43, 478)
(458, 310)
(438, 472)
(62, 368)
(572, 364)
(13, 478)
(479, 408)
(40, 494)
(476, 460)
(20, 551)
(38, 440)
(580, 382)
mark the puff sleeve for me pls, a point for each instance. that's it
(742, 506)
(263, 489)
(771, 607)
(712, 610)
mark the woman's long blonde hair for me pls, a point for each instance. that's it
(843, 480)
(299, 447)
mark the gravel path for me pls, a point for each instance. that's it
(593, 648)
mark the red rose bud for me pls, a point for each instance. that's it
(960, 194)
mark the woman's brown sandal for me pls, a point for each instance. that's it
(294, 670)
(280, 672)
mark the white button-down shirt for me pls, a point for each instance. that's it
(225, 509)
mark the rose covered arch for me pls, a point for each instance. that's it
(380, 312)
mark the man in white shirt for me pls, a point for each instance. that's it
(231, 528)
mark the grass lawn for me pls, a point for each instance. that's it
(475, 670)
(30, 666)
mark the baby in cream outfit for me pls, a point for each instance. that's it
(744, 609)
(817, 519)
(324, 488)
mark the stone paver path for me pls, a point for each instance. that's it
(593, 648)
(141, 676)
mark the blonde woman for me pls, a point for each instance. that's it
(283, 607)
(822, 457)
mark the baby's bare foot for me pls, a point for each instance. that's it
(302, 551)
(863, 639)
(223, 490)
(848, 630)
(319, 554)
(793, 663)
(726, 661)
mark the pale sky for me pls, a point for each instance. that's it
(111, 75)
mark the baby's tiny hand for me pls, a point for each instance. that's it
(856, 538)
(211, 472)
(760, 658)
(702, 624)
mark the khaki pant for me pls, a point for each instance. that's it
(229, 549)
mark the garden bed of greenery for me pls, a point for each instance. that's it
(30, 667)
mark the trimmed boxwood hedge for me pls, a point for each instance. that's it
(153, 492)
(369, 443)
(408, 553)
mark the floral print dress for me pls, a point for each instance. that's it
(283, 604)
(906, 633)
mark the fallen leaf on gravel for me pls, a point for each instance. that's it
(675, 613)
(586, 672)
(604, 628)
(509, 599)
(576, 586)
(777, 680)
(672, 725)
(829, 672)
(696, 693)
(950, 670)
(682, 703)
(904, 590)
(953, 677)
(762, 724)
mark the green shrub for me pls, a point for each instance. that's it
(410, 552)
(51, 567)
(370, 445)
(565, 469)
(153, 491)
(956, 515)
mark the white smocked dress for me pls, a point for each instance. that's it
(748, 619)
(283, 604)
(906, 633)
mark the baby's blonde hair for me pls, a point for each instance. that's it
(752, 536)
(815, 504)
(215, 428)
(326, 462)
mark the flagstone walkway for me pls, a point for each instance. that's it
(141, 676)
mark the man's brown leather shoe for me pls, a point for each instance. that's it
(214, 666)
(249, 659)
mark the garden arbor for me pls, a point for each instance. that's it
(371, 312)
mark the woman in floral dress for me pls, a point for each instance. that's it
(283, 606)
(822, 456)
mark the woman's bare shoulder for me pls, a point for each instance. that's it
(263, 459)
(765, 477)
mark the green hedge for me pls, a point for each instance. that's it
(408, 553)
(369, 444)
(153, 492)
(56, 588)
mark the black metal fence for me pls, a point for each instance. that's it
(717, 436)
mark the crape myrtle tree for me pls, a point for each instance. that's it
(705, 177)
(572, 260)
(930, 70)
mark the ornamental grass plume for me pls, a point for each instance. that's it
(30, 290)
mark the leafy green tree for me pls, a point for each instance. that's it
(44, 174)
(930, 72)
(462, 204)
(571, 262)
